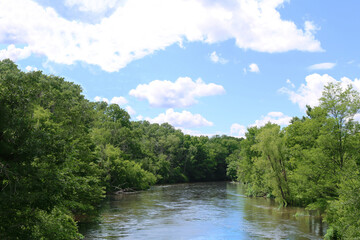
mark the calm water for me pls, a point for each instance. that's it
(200, 211)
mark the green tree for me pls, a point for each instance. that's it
(48, 172)
(271, 145)
(343, 215)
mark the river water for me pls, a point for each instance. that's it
(218, 210)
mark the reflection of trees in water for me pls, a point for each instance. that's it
(202, 209)
(265, 218)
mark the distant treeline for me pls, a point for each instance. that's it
(61, 154)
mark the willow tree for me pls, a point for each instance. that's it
(271, 145)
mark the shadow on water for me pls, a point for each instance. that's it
(217, 210)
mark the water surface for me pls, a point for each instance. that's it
(218, 210)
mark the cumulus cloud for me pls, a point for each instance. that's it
(190, 131)
(92, 5)
(310, 92)
(237, 130)
(30, 68)
(181, 93)
(130, 110)
(119, 100)
(115, 100)
(273, 117)
(217, 59)
(322, 66)
(181, 119)
(101, 99)
(254, 68)
(143, 27)
(13, 52)
(196, 132)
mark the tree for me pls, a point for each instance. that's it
(270, 143)
(48, 175)
(343, 214)
(341, 106)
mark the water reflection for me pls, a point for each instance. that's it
(264, 219)
(200, 211)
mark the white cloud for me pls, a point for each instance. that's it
(130, 110)
(347, 81)
(310, 28)
(322, 66)
(137, 28)
(13, 52)
(275, 114)
(254, 68)
(217, 59)
(30, 68)
(187, 131)
(237, 130)
(101, 99)
(288, 81)
(115, 100)
(181, 93)
(190, 132)
(181, 119)
(119, 100)
(196, 132)
(92, 5)
(273, 117)
(310, 92)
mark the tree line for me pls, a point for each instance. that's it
(61, 154)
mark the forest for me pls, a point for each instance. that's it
(61, 155)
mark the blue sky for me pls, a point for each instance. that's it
(205, 66)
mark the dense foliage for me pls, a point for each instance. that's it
(314, 162)
(60, 154)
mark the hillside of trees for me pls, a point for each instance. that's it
(60, 155)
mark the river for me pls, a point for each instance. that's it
(217, 210)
